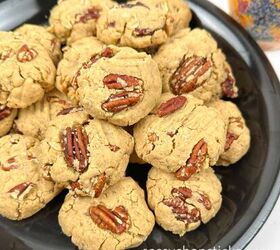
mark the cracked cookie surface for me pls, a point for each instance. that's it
(180, 135)
(24, 191)
(7, 116)
(86, 155)
(26, 71)
(181, 206)
(191, 62)
(142, 24)
(87, 222)
(122, 88)
(238, 135)
(72, 20)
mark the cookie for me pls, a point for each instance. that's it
(122, 88)
(26, 71)
(34, 120)
(119, 219)
(191, 62)
(238, 135)
(81, 53)
(86, 155)
(72, 20)
(181, 136)
(7, 117)
(143, 24)
(39, 34)
(181, 206)
(24, 191)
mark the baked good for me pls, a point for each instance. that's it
(24, 191)
(7, 116)
(143, 24)
(191, 62)
(181, 206)
(86, 155)
(181, 135)
(119, 219)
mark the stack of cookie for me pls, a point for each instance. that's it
(66, 114)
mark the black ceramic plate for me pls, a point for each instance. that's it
(250, 188)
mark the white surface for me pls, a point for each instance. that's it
(269, 236)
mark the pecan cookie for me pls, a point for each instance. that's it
(181, 136)
(86, 155)
(81, 54)
(26, 71)
(34, 120)
(122, 88)
(191, 62)
(181, 206)
(238, 135)
(143, 23)
(119, 219)
(24, 191)
(7, 116)
(40, 35)
(72, 20)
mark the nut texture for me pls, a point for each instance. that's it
(90, 14)
(21, 190)
(26, 54)
(228, 86)
(5, 112)
(171, 105)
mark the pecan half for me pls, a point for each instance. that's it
(26, 54)
(21, 190)
(115, 81)
(204, 199)
(228, 85)
(90, 14)
(185, 78)
(139, 32)
(116, 220)
(231, 137)
(10, 164)
(99, 185)
(5, 54)
(69, 111)
(114, 148)
(171, 105)
(74, 142)
(194, 163)
(4, 112)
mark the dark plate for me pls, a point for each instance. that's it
(250, 188)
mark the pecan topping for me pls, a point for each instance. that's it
(114, 148)
(194, 163)
(26, 54)
(115, 81)
(132, 5)
(228, 85)
(231, 137)
(93, 13)
(21, 191)
(204, 199)
(10, 165)
(171, 105)
(183, 210)
(185, 78)
(70, 111)
(4, 112)
(116, 220)
(74, 142)
(99, 185)
(5, 54)
(138, 32)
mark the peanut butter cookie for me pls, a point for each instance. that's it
(142, 24)
(26, 71)
(7, 116)
(119, 219)
(238, 135)
(181, 136)
(191, 62)
(72, 20)
(85, 155)
(24, 191)
(122, 88)
(181, 206)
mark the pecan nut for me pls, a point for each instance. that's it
(21, 190)
(231, 137)
(99, 185)
(10, 164)
(70, 110)
(114, 148)
(139, 32)
(5, 112)
(5, 54)
(90, 14)
(194, 163)
(228, 85)
(26, 54)
(74, 142)
(204, 199)
(186, 77)
(116, 220)
(171, 106)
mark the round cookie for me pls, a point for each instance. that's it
(72, 20)
(7, 117)
(34, 120)
(181, 206)
(191, 62)
(238, 135)
(180, 136)
(81, 53)
(26, 71)
(143, 24)
(39, 34)
(85, 155)
(119, 219)
(24, 191)
(122, 88)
